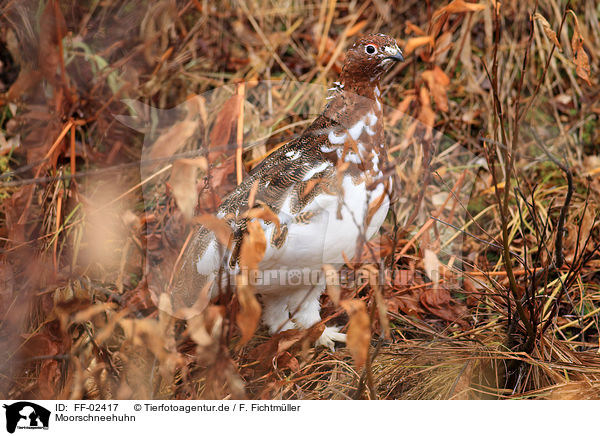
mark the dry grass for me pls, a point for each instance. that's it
(508, 317)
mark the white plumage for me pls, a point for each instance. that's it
(328, 191)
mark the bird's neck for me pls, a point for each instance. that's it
(356, 116)
(350, 100)
(359, 85)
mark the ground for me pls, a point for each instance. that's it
(483, 282)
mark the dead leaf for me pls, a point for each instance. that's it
(139, 299)
(426, 114)
(356, 28)
(252, 251)
(431, 264)
(87, 314)
(218, 226)
(416, 42)
(581, 60)
(379, 301)
(222, 177)
(284, 342)
(407, 303)
(441, 77)
(551, 34)
(253, 247)
(402, 109)
(183, 184)
(443, 44)
(437, 82)
(249, 315)
(287, 361)
(332, 282)
(176, 136)
(459, 6)
(222, 127)
(265, 213)
(196, 328)
(155, 336)
(439, 302)
(412, 28)
(581, 229)
(462, 385)
(587, 223)
(52, 30)
(26, 81)
(359, 330)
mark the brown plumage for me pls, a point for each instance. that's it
(328, 189)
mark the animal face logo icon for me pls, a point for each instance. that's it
(26, 415)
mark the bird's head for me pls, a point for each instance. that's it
(370, 57)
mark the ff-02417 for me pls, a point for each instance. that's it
(95, 407)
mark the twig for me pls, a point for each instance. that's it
(491, 244)
(241, 90)
(560, 226)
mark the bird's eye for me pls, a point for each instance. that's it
(370, 49)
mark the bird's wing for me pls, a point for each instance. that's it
(286, 181)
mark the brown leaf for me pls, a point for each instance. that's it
(459, 6)
(218, 226)
(183, 184)
(359, 330)
(222, 176)
(155, 336)
(222, 128)
(462, 385)
(26, 81)
(52, 30)
(177, 135)
(265, 213)
(380, 303)
(139, 299)
(407, 303)
(581, 60)
(426, 114)
(332, 282)
(437, 82)
(285, 342)
(402, 109)
(356, 28)
(253, 247)
(581, 229)
(551, 34)
(431, 264)
(375, 250)
(252, 251)
(87, 314)
(441, 77)
(443, 44)
(249, 315)
(49, 379)
(416, 42)
(412, 28)
(196, 328)
(439, 302)
(287, 361)
(587, 224)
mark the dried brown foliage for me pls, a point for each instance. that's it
(511, 313)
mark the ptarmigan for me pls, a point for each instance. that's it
(327, 187)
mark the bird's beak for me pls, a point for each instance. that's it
(397, 57)
(394, 53)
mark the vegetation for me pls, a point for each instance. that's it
(490, 253)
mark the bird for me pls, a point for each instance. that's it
(329, 189)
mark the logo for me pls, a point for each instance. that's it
(26, 415)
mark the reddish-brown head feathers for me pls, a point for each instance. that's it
(369, 58)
